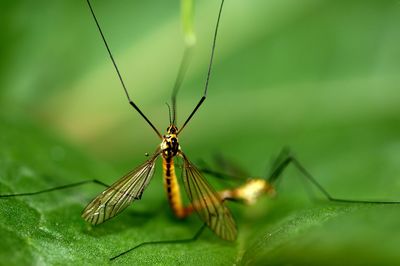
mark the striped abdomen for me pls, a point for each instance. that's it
(172, 188)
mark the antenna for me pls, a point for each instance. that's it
(119, 74)
(169, 114)
(209, 70)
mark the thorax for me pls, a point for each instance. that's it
(169, 146)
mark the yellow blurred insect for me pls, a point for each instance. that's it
(248, 189)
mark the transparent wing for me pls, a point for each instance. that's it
(230, 167)
(120, 194)
(207, 202)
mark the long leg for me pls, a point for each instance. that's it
(276, 167)
(175, 241)
(95, 181)
(209, 70)
(223, 175)
(286, 158)
(119, 74)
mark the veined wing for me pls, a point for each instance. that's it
(119, 195)
(208, 203)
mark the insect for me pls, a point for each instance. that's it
(250, 189)
(131, 186)
(203, 199)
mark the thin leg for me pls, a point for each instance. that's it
(221, 175)
(175, 241)
(95, 181)
(209, 70)
(286, 158)
(118, 72)
(205, 168)
(230, 167)
(279, 164)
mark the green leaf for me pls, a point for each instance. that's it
(330, 235)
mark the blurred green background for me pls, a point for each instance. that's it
(321, 77)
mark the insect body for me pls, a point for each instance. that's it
(170, 148)
(204, 199)
(249, 192)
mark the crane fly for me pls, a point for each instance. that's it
(249, 189)
(203, 198)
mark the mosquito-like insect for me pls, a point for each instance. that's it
(131, 186)
(203, 199)
(248, 189)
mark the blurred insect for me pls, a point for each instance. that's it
(203, 199)
(250, 189)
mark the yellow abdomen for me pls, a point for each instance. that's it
(172, 188)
